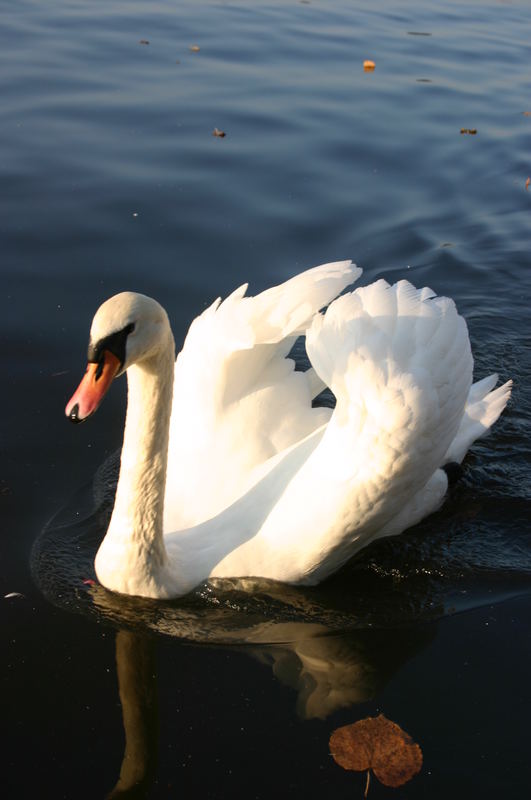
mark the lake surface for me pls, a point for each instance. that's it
(112, 180)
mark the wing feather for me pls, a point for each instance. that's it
(237, 398)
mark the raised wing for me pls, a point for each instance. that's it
(399, 363)
(237, 399)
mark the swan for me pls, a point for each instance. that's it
(227, 469)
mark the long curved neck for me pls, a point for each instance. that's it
(133, 548)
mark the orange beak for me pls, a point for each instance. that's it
(93, 387)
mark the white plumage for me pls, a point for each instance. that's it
(259, 483)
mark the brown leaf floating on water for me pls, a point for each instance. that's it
(369, 65)
(217, 132)
(194, 48)
(470, 131)
(381, 745)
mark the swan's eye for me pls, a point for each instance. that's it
(115, 343)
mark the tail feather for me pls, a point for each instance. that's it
(480, 389)
(481, 412)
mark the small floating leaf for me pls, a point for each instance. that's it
(194, 48)
(217, 132)
(368, 65)
(470, 131)
(377, 743)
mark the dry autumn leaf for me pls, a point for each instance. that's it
(470, 131)
(381, 745)
(217, 132)
(368, 65)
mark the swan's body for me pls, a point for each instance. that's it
(256, 482)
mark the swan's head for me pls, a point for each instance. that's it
(127, 329)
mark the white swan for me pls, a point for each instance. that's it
(256, 482)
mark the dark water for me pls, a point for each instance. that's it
(112, 180)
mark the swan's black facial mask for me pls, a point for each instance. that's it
(106, 361)
(115, 343)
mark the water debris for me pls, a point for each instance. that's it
(418, 33)
(14, 596)
(424, 80)
(526, 113)
(194, 48)
(144, 41)
(381, 745)
(368, 65)
(217, 132)
(528, 181)
(469, 131)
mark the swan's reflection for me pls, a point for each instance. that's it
(137, 684)
(327, 672)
